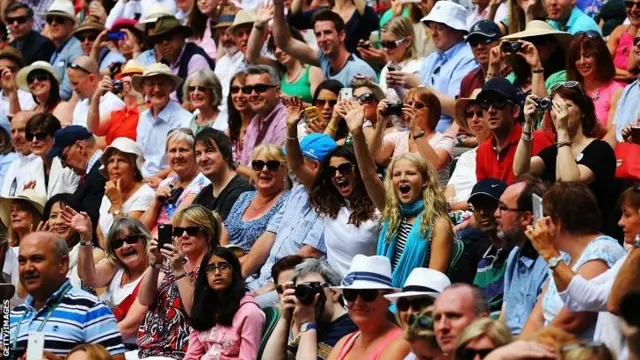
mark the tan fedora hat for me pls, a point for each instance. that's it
(21, 77)
(152, 70)
(89, 24)
(540, 28)
(132, 67)
(242, 17)
(30, 195)
(12, 54)
(459, 115)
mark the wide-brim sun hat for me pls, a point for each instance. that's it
(538, 28)
(422, 282)
(368, 272)
(30, 195)
(124, 145)
(448, 13)
(152, 70)
(459, 113)
(156, 11)
(62, 8)
(89, 25)
(21, 77)
(242, 17)
(166, 25)
(131, 67)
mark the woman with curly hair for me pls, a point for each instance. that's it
(416, 230)
(338, 194)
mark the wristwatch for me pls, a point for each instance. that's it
(85, 242)
(307, 326)
(554, 262)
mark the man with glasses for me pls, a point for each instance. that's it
(29, 42)
(10, 62)
(483, 36)
(500, 104)
(564, 15)
(526, 271)
(84, 76)
(61, 19)
(268, 126)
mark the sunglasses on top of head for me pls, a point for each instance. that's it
(131, 240)
(367, 295)
(190, 230)
(344, 169)
(260, 88)
(272, 165)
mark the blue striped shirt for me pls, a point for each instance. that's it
(79, 319)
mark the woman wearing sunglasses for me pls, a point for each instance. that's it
(578, 155)
(378, 337)
(252, 211)
(179, 189)
(399, 46)
(590, 64)
(43, 82)
(480, 338)
(325, 99)
(204, 95)
(227, 321)
(421, 113)
(622, 41)
(168, 288)
(240, 113)
(121, 273)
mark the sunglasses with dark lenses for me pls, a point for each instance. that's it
(424, 322)
(18, 19)
(190, 230)
(39, 136)
(235, 89)
(591, 34)
(416, 304)
(469, 114)
(416, 105)
(390, 45)
(480, 40)
(367, 295)
(85, 37)
(470, 354)
(131, 240)
(260, 88)
(367, 98)
(497, 104)
(57, 19)
(199, 88)
(37, 75)
(636, 41)
(630, 4)
(344, 169)
(272, 165)
(323, 102)
(222, 267)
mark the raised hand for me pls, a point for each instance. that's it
(542, 237)
(155, 257)
(105, 86)
(353, 114)
(530, 109)
(264, 13)
(409, 115)
(7, 80)
(288, 301)
(530, 54)
(294, 110)
(163, 193)
(172, 253)
(403, 79)
(80, 222)
(113, 192)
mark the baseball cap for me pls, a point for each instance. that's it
(500, 86)
(317, 146)
(485, 28)
(490, 187)
(68, 136)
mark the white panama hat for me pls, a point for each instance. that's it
(368, 272)
(422, 282)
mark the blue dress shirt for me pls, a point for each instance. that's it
(60, 58)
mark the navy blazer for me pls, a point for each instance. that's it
(35, 47)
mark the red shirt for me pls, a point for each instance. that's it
(471, 81)
(124, 123)
(490, 164)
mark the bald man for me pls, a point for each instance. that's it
(84, 76)
(14, 179)
(67, 316)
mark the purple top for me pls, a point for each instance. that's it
(267, 130)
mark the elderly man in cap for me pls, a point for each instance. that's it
(62, 20)
(184, 57)
(157, 83)
(84, 75)
(12, 98)
(232, 59)
(33, 46)
(67, 316)
(483, 36)
(26, 162)
(77, 149)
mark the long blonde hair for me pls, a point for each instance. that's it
(435, 205)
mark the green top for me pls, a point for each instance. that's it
(301, 88)
(555, 78)
(389, 14)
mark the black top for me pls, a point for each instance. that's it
(34, 47)
(227, 197)
(89, 195)
(599, 157)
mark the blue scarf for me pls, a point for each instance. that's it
(415, 249)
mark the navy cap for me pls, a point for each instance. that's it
(485, 28)
(501, 86)
(490, 187)
(316, 146)
(68, 136)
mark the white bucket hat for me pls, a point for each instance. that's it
(21, 77)
(422, 282)
(156, 11)
(126, 146)
(368, 272)
(448, 13)
(62, 8)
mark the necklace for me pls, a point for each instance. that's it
(260, 207)
(297, 75)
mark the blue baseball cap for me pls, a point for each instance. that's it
(68, 136)
(317, 146)
(490, 187)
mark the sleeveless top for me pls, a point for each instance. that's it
(602, 100)
(115, 294)
(375, 355)
(300, 88)
(621, 55)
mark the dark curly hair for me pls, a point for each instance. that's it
(326, 199)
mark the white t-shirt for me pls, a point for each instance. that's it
(115, 294)
(412, 66)
(109, 102)
(24, 98)
(226, 67)
(464, 176)
(344, 240)
(17, 170)
(139, 201)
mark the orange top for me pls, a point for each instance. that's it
(124, 123)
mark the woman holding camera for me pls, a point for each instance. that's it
(578, 155)
(168, 288)
(227, 321)
(178, 190)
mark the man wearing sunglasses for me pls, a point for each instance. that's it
(30, 43)
(483, 36)
(14, 178)
(61, 19)
(500, 104)
(566, 15)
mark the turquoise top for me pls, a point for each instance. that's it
(300, 88)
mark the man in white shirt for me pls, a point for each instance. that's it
(10, 62)
(233, 59)
(13, 180)
(84, 75)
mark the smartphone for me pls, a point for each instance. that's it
(393, 67)
(311, 113)
(346, 94)
(115, 35)
(635, 134)
(165, 234)
(536, 201)
(35, 346)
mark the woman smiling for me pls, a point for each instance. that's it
(204, 95)
(21, 215)
(240, 114)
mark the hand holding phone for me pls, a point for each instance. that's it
(346, 94)
(165, 235)
(115, 35)
(536, 201)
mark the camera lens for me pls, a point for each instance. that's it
(304, 294)
(544, 103)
